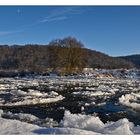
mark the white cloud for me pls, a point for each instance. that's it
(5, 33)
(53, 19)
(62, 13)
(2, 33)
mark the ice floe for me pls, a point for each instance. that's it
(130, 100)
(71, 124)
(91, 93)
(34, 101)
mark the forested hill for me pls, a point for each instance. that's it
(37, 57)
(62, 55)
(135, 59)
(101, 60)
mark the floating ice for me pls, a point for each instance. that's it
(71, 124)
(1, 112)
(16, 127)
(53, 93)
(34, 93)
(20, 116)
(18, 92)
(93, 93)
(34, 101)
(94, 124)
(82, 121)
(130, 100)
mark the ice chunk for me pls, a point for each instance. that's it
(18, 92)
(121, 127)
(1, 112)
(53, 93)
(81, 121)
(16, 127)
(130, 100)
(93, 123)
(34, 93)
(20, 116)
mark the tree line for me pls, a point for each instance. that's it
(62, 55)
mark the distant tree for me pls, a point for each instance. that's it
(67, 42)
(71, 54)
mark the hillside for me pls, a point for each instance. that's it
(62, 55)
(43, 57)
(101, 60)
(135, 59)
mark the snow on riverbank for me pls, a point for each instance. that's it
(71, 124)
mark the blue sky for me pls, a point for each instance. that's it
(112, 30)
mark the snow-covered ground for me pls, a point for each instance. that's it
(106, 102)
